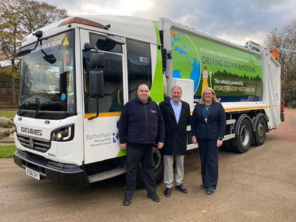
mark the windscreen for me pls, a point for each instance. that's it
(47, 77)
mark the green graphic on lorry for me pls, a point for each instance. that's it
(234, 74)
(157, 92)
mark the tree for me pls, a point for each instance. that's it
(285, 40)
(37, 15)
(19, 18)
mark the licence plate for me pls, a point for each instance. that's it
(33, 173)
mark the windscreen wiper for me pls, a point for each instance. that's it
(37, 110)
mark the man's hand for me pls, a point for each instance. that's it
(219, 143)
(123, 146)
(194, 140)
(159, 145)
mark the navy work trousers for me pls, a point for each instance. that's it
(134, 157)
(208, 151)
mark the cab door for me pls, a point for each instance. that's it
(101, 133)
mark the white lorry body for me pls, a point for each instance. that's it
(66, 126)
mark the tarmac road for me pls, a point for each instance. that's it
(259, 185)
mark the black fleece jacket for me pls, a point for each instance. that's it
(141, 125)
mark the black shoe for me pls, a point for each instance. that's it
(210, 191)
(127, 201)
(153, 196)
(167, 192)
(203, 186)
(181, 188)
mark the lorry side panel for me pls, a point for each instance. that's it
(236, 75)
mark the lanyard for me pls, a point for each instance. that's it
(206, 111)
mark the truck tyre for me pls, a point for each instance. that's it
(260, 131)
(242, 142)
(158, 173)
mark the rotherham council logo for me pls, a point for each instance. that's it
(115, 137)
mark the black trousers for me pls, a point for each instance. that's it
(134, 157)
(209, 151)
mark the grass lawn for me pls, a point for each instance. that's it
(6, 151)
(7, 113)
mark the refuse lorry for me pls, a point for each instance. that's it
(76, 75)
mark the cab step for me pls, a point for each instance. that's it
(106, 175)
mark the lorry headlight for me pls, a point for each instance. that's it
(59, 136)
(65, 133)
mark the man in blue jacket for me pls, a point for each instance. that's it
(140, 127)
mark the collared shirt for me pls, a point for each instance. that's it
(177, 109)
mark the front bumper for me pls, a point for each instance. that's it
(64, 174)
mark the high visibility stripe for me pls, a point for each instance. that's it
(246, 108)
(86, 116)
(243, 108)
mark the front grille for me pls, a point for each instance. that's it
(37, 144)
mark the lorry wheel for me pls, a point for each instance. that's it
(242, 142)
(260, 132)
(158, 173)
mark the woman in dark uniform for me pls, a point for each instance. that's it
(208, 128)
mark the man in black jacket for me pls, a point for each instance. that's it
(176, 116)
(140, 127)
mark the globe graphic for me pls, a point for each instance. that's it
(186, 61)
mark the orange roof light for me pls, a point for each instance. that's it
(275, 53)
(83, 22)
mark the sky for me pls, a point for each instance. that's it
(236, 21)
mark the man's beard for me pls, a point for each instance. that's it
(176, 100)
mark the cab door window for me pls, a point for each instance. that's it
(138, 64)
(113, 89)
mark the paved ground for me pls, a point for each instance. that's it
(287, 130)
(259, 185)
